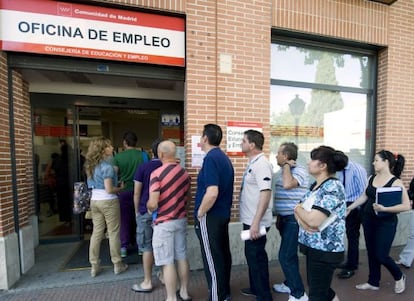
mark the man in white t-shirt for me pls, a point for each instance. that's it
(256, 212)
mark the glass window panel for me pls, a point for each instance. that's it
(337, 119)
(320, 66)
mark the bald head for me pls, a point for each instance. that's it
(166, 150)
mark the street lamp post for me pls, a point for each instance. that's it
(296, 108)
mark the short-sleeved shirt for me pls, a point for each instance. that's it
(102, 171)
(142, 175)
(328, 198)
(217, 170)
(285, 200)
(173, 183)
(354, 178)
(257, 177)
(128, 162)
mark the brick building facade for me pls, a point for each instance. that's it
(242, 29)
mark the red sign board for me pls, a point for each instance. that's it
(71, 29)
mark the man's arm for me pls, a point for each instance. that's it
(208, 200)
(137, 195)
(154, 197)
(289, 181)
(264, 199)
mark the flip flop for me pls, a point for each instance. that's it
(138, 289)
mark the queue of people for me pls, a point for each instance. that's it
(311, 218)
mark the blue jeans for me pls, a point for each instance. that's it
(288, 254)
(258, 264)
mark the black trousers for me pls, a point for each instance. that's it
(258, 263)
(320, 267)
(353, 223)
(213, 234)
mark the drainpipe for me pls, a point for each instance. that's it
(13, 161)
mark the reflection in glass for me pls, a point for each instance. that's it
(313, 65)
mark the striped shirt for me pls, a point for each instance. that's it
(173, 184)
(355, 180)
(285, 200)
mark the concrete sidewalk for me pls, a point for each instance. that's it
(46, 282)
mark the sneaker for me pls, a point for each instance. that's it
(399, 262)
(367, 286)
(247, 292)
(400, 285)
(124, 252)
(303, 298)
(281, 288)
(120, 267)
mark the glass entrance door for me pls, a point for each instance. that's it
(56, 152)
(61, 140)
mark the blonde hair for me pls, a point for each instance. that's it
(95, 154)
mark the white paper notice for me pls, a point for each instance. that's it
(197, 154)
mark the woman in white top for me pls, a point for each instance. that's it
(104, 203)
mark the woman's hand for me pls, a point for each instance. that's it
(378, 207)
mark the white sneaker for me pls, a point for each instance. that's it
(367, 286)
(281, 288)
(400, 285)
(303, 298)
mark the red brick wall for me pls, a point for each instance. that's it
(23, 141)
(395, 111)
(359, 20)
(6, 197)
(240, 29)
(167, 5)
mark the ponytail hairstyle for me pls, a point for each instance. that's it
(334, 159)
(396, 161)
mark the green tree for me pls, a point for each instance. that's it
(323, 101)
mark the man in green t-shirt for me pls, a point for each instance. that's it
(125, 164)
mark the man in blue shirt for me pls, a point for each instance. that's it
(354, 178)
(144, 219)
(212, 210)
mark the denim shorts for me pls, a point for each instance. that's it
(169, 241)
(144, 232)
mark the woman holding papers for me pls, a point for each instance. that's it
(380, 220)
(322, 222)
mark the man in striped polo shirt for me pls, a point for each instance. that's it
(169, 187)
(291, 183)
